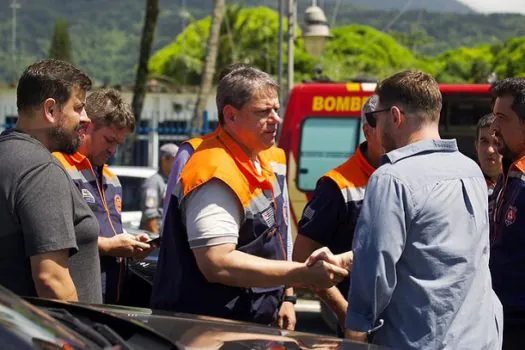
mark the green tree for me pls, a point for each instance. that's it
(139, 89)
(60, 44)
(510, 58)
(465, 65)
(212, 48)
(358, 50)
(413, 39)
(248, 35)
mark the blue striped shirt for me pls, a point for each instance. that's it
(421, 253)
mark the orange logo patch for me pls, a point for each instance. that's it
(510, 216)
(118, 203)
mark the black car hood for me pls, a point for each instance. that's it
(199, 332)
(24, 326)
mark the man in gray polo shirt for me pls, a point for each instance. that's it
(420, 276)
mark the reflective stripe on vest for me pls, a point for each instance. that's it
(352, 176)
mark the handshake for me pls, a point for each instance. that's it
(324, 269)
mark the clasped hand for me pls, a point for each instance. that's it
(328, 269)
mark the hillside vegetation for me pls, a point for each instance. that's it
(105, 35)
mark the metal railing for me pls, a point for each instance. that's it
(151, 134)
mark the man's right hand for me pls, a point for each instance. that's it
(322, 274)
(343, 260)
(124, 245)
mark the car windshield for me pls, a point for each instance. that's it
(101, 330)
(24, 326)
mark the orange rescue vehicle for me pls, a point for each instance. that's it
(322, 128)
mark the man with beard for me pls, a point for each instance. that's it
(111, 122)
(49, 235)
(507, 256)
(420, 277)
(487, 151)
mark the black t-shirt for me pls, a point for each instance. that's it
(331, 222)
(42, 211)
(328, 220)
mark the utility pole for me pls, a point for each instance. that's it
(14, 5)
(183, 16)
(280, 51)
(292, 19)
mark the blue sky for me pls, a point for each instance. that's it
(496, 5)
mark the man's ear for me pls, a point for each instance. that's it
(398, 116)
(229, 112)
(366, 130)
(50, 110)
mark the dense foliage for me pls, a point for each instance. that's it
(354, 51)
(105, 38)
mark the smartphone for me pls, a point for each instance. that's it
(154, 240)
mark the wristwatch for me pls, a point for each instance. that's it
(290, 298)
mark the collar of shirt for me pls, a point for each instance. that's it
(245, 164)
(423, 146)
(79, 158)
(489, 181)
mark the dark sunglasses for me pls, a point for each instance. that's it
(371, 119)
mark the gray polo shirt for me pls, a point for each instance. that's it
(421, 253)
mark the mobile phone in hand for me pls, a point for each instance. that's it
(154, 240)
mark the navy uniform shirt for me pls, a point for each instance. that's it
(507, 259)
(331, 215)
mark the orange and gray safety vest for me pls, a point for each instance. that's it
(102, 191)
(179, 285)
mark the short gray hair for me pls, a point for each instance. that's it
(239, 86)
(369, 106)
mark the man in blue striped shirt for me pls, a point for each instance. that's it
(420, 275)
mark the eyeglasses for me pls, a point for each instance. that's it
(371, 119)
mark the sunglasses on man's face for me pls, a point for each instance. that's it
(371, 118)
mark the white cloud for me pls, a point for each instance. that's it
(487, 6)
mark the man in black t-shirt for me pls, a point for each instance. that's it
(48, 241)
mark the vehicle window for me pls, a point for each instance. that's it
(465, 110)
(325, 143)
(459, 116)
(130, 192)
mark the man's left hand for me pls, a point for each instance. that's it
(286, 318)
(141, 254)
